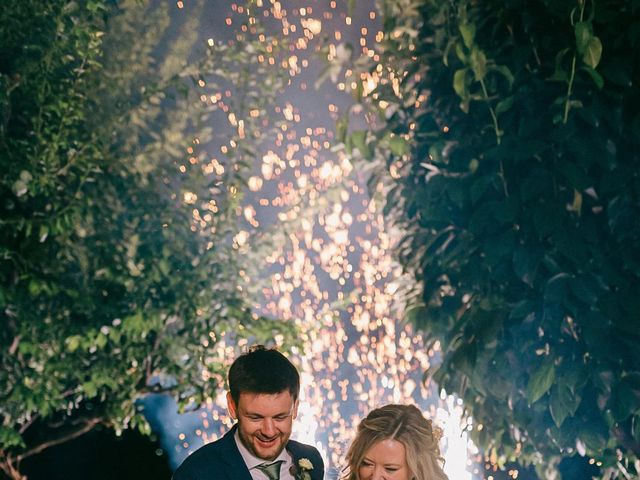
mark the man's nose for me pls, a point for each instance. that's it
(269, 427)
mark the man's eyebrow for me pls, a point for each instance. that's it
(279, 414)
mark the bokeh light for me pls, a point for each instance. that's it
(328, 264)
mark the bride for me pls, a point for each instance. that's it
(395, 442)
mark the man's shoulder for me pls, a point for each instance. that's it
(204, 458)
(208, 450)
(302, 447)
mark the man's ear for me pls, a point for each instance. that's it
(231, 405)
(295, 409)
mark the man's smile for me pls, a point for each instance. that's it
(267, 441)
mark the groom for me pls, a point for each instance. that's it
(263, 398)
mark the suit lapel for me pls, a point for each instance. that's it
(297, 452)
(293, 451)
(235, 468)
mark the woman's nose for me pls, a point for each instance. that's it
(378, 474)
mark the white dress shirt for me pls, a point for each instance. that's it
(252, 462)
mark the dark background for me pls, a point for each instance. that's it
(101, 455)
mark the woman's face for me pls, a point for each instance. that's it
(385, 460)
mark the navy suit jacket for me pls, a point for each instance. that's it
(221, 460)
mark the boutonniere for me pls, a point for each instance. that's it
(300, 471)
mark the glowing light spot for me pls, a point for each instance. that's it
(255, 183)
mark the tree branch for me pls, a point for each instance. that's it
(7, 466)
(89, 425)
(26, 426)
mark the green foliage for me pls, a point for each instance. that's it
(519, 197)
(119, 273)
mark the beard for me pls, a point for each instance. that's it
(261, 446)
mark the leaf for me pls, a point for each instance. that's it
(593, 52)
(478, 64)
(576, 205)
(635, 427)
(505, 72)
(555, 290)
(10, 438)
(540, 381)
(416, 316)
(351, 8)
(35, 287)
(594, 436)
(463, 357)
(525, 264)
(486, 216)
(480, 187)
(398, 145)
(101, 341)
(521, 310)
(359, 141)
(435, 152)
(19, 188)
(164, 266)
(575, 174)
(90, 389)
(626, 396)
(459, 82)
(595, 76)
(584, 289)
(584, 33)
(348, 144)
(559, 74)
(445, 55)
(73, 343)
(358, 92)
(43, 233)
(468, 32)
(341, 128)
(462, 56)
(562, 404)
(504, 105)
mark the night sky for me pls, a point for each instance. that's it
(331, 272)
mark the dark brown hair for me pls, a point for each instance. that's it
(263, 370)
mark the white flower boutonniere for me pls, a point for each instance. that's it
(302, 468)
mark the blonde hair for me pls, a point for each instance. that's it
(407, 425)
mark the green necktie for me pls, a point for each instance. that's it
(271, 470)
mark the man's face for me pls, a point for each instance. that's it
(264, 421)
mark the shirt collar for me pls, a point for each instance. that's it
(252, 461)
